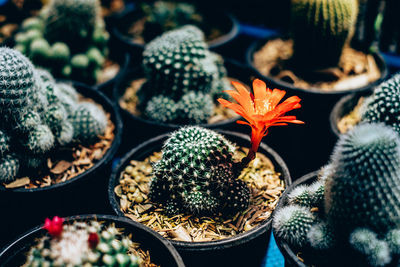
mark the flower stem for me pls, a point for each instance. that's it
(245, 161)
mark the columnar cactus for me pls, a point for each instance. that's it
(320, 29)
(83, 244)
(179, 66)
(39, 115)
(68, 38)
(195, 172)
(384, 105)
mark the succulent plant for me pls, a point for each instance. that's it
(384, 105)
(320, 29)
(189, 173)
(179, 67)
(82, 244)
(37, 115)
(68, 38)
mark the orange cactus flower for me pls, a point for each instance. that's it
(261, 110)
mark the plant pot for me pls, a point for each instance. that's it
(138, 129)
(161, 251)
(82, 194)
(250, 246)
(316, 137)
(125, 44)
(343, 107)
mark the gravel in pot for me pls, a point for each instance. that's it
(106, 240)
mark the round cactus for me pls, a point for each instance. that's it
(4, 142)
(384, 105)
(9, 167)
(89, 122)
(292, 223)
(198, 202)
(40, 139)
(237, 196)
(195, 107)
(365, 181)
(161, 109)
(320, 29)
(392, 238)
(321, 236)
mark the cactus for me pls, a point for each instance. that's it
(195, 107)
(4, 142)
(89, 122)
(83, 244)
(293, 223)
(366, 242)
(189, 173)
(365, 181)
(392, 238)
(9, 167)
(384, 105)
(321, 236)
(320, 29)
(161, 109)
(308, 195)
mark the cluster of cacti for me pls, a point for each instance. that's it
(359, 207)
(39, 115)
(183, 77)
(320, 29)
(162, 16)
(68, 38)
(196, 174)
(384, 105)
(83, 244)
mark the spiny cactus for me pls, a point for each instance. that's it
(308, 195)
(162, 109)
(89, 122)
(393, 240)
(384, 105)
(190, 171)
(4, 142)
(365, 181)
(292, 223)
(71, 40)
(9, 167)
(321, 236)
(83, 244)
(320, 29)
(195, 107)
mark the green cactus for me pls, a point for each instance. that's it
(293, 223)
(162, 109)
(9, 167)
(321, 236)
(71, 21)
(392, 238)
(384, 105)
(4, 142)
(40, 139)
(320, 29)
(367, 243)
(365, 181)
(59, 54)
(189, 173)
(89, 122)
(195, 107)
(84, 244)
(39, 51)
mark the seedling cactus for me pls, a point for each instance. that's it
(68, 38)
(359, 209)
(82, 244)
(39, 115)
(198, 174)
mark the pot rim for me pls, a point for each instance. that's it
(123, 78)
(381, 63)
(109, 107)
(213, 44)
(284, 247)
(165, 242)
(208, 245)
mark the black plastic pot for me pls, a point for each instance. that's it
(22, 208)
(245, 249)
(138, 129)
(125, 44)
(161, 251)
(313, 140)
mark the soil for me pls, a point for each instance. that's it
(68, 162)
(109, 71)
(129, 101)
(265, 184)
(356, 69)
(347, 122)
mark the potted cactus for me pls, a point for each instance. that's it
(90, 240)
(348, 215)
(52, 137)
(195, 178)
(179, 84)
(137, 26)
(379, 107)
(69, 39)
